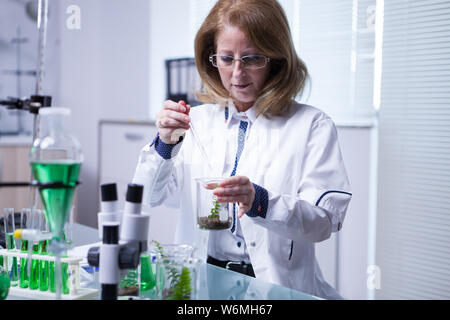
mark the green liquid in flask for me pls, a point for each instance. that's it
(57, 201)
(148, 279)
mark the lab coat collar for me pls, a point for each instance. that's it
(249, 115)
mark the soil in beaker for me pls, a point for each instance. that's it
(213, 223)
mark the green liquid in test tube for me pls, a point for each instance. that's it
(12, 263)
(23, 278)
(51, 274)
(25, 223)
(64, 276)
(43, 266)
(34, 274)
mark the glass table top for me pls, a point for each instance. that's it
(214, 283)
(220, 284)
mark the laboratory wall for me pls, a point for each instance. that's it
(170, 37)
(104, 74)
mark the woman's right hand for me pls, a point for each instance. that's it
(173, 121)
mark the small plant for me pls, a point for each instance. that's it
(215, 209)
(212, 221)
(159, 248)
(182, 289)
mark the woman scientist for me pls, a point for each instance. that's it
(282, 158)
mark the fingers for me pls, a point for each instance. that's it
(235, 194)
(188, 107)
(211, 186)
(238, 189)
(236, 180)
(235, 198)
(173, 119)
(171, 105)
(242, 210)
(235, 187)
(229, 191)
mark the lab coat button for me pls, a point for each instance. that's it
(239, 244)
(253, 243)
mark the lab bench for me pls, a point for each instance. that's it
(215, 283)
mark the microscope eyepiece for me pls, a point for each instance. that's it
(134, 193)
(109, 192)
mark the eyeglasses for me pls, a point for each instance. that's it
(249, 62)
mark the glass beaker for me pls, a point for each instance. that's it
(176, 271)
(211, 214)
(174, 250)
(177, 278)
(147, 275)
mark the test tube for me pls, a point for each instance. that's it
(43, 250)
(34, 272)
(64, 274)
(8, 218)
(24, 279)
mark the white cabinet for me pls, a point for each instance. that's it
(120, 143)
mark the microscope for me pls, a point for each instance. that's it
(116, 254)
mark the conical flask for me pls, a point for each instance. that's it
(55, 160)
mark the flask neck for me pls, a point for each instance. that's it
(55, 124)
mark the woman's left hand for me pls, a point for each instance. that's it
(237, 189)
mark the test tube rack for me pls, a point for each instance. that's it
(75, 291)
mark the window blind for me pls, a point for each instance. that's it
(413, 218)
(336, 42)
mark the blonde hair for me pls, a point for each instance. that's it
(265, 24)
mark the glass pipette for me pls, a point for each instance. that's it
(197, 141)
(200, 146)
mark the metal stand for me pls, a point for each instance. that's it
(37, 101)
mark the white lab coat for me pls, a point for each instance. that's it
(296, 158)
